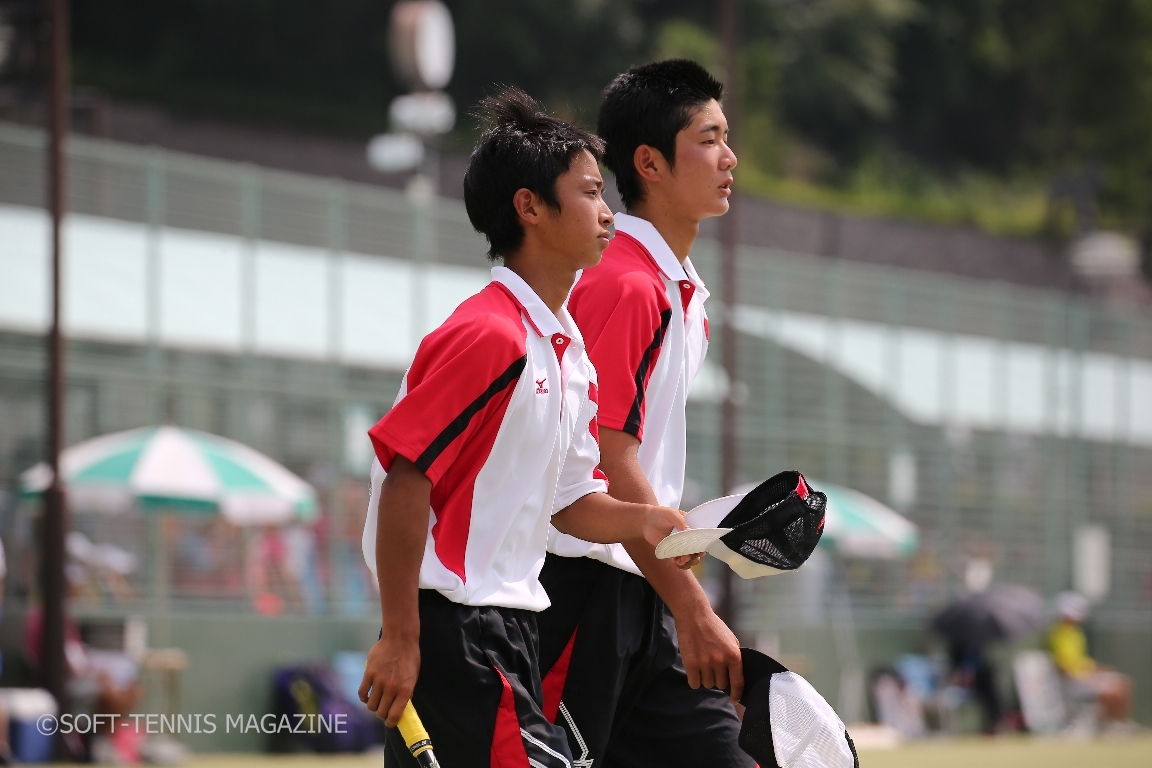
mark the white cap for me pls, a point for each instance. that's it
(702, 531)
(771, 529)
(1072, 606)
(786, 723)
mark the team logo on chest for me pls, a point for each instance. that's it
(540, 388)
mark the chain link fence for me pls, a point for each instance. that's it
(280, 310)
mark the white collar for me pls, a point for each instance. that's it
(539, 316)
(653, 242)
(690, 270)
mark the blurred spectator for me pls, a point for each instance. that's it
(209, 558)
(1085, 679)
(897, 703)
(988, 615)
(972, 670)
(277, 559)
(100, 681)
(98, 569)
(300, 566)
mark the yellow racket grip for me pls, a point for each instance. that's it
(416, 737)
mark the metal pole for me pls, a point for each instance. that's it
(729, 244)
(55, 521)
(338, 407)
(154, 202)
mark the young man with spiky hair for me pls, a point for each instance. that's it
(633, 653)
(492, 436)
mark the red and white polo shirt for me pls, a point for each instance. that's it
(642, 315)
(498, 409)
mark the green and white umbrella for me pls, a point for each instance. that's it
(168, 468)
(857, 525)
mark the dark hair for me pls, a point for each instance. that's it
(650, 104)
(522, 147)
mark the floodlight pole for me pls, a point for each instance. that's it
(55, 522)
(729, 246)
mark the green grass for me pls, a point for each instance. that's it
(365, 760)
(1015, 753)
(959, 753)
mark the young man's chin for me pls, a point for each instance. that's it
(718, 209)
(712, 205)
(592, 260)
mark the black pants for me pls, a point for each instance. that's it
(614, 678)
(986, 694)
(478, 692)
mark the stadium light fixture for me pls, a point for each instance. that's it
(422, 43)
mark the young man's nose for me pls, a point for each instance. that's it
(728, 162)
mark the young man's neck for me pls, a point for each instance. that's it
(551, 284)
(678, 232)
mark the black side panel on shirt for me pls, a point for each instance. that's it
(632, 425)
(457, 426)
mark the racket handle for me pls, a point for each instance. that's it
(416, 737)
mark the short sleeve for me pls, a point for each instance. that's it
(463, 375)
(581, 474)
(623, 324)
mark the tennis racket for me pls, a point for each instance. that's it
(416, 737)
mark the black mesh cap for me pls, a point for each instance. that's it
(787, 724)
(778, 523)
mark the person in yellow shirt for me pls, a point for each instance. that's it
(1086, 679)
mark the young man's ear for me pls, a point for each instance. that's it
(650, 163)
(528, 206)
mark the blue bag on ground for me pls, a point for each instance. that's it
(321, 718)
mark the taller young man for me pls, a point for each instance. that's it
(634, 664)
(493, 435)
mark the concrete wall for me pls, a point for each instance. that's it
(231, 659)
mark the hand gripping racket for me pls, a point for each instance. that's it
(416, 737)
(413, 732)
